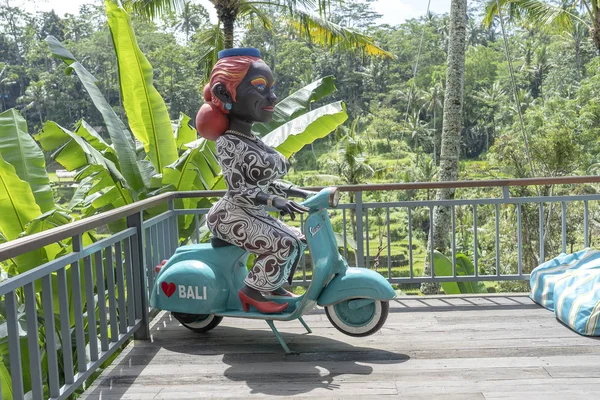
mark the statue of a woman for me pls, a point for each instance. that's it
(241, 92)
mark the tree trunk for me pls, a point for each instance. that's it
(227, 16)
(451, 128)
(434, 139)
(595, 31)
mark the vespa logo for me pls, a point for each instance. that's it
(315, 229)
(184, 291)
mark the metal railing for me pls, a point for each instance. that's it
(93, 299)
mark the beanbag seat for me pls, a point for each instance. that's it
(569, 285)
(577, 301)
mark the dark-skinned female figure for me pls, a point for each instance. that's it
(240, 93)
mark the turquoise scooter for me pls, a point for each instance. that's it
(199, 284)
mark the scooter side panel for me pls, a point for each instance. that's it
(356, 283)
(189, 286)
(224, 257)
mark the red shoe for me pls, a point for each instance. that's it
(265, 307)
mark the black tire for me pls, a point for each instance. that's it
(367, 323)
(199, 323)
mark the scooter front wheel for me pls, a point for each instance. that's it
(198, 322)
(354, 319)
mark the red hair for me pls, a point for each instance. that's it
(211, 120)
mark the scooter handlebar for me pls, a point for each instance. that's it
(326, 198)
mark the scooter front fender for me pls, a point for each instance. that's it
(189, 286)
(356, 283)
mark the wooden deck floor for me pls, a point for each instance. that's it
(492, 347)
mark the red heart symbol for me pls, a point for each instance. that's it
(168, 288)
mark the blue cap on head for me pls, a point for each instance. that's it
(240, 51)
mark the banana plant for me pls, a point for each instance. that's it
(464, 267)
(109, 174)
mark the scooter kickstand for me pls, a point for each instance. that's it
(304, 324)
(286, 349)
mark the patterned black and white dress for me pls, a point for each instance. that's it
(249, 168)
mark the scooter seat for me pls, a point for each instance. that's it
(216, 242)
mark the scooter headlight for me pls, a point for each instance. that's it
(334, 197)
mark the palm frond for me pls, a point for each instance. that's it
(537, 12)
(248, 8)
(152, 8)
(320, 31)
(214, 40)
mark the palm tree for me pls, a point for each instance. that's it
(562, 17)
(352, 164)
(418, 133)
(426, 171)
(314, 27)
(35, 97)
(578, 34)
(451, 127)
(492, 97)
(433, 101)
(190, 18)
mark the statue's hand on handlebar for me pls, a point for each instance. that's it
(289, 207)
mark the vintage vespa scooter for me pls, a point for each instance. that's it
(199, 284)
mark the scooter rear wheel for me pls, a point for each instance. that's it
(363, 321)
(198, 322)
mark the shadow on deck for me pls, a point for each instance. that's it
(460, 347)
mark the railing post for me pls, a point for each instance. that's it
(360, 256)
(139, 277)
(174, 229)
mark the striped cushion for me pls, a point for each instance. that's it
(544, 277)
(569, 285)
(577, 299)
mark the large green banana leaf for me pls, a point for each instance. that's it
(105, 187)
(17, 203)
(146, 110)
(297, 104)
(72, 151)
(119, 135)
(196, 169)
(185, 133)
(89, 134)
(292, 136)
(464, 267)
(103, 192)
(5, 381)
(42, 255)
(20, 150)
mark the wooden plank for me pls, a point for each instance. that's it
(450, 351)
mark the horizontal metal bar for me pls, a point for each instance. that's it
(191, 211)
(465, 202)
(159, 218)
(429, 203)
(461, 278)
(563, 180)
(108, 241)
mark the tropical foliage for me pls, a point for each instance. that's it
(400, 111)
(114, 170)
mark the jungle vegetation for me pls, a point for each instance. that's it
(395, 111)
